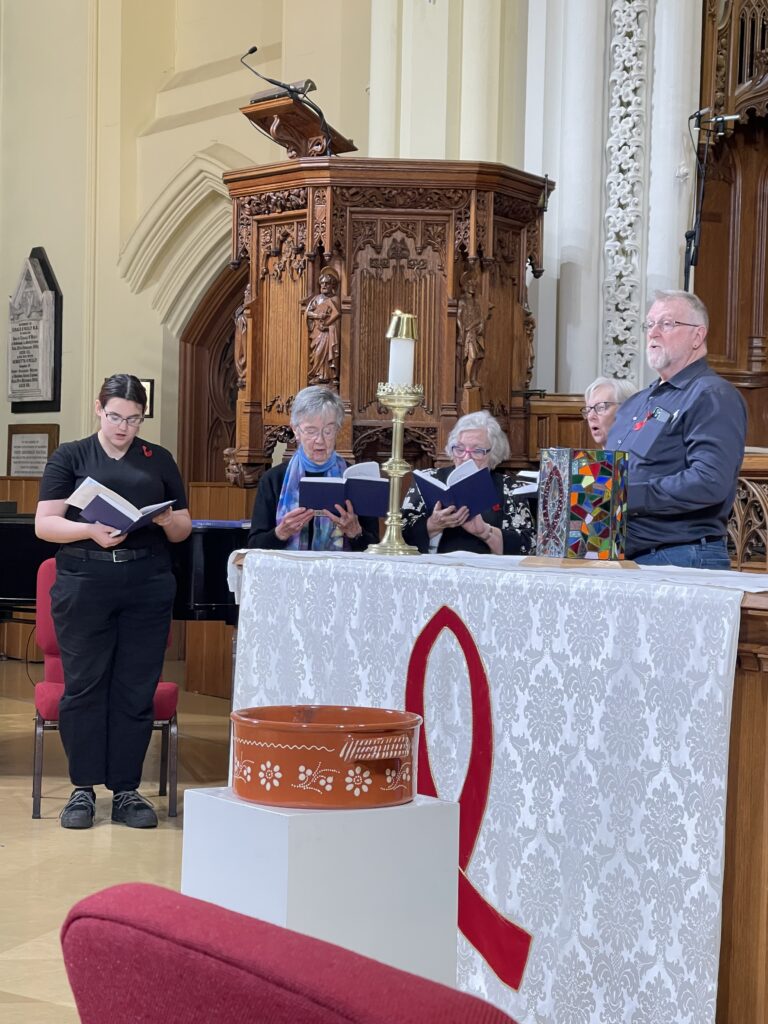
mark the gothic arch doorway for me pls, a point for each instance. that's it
(207, 378)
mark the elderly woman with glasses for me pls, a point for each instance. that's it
(507, 528)
(111, 602)
(602, 400)
(278, 520)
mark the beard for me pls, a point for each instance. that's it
(657, 358)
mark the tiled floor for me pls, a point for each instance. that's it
(44, 869)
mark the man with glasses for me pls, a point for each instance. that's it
(685, 437)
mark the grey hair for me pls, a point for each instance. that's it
(482, 421)
(313, 400)
(622, 389)
(693, 302)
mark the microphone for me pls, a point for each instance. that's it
(719, 121)
(295, 94)
(292, 91)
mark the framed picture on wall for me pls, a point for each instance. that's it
(29, 445)
(149, 387)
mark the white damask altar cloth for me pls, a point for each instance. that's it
(611, 698)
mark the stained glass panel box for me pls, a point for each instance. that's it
(582, 503)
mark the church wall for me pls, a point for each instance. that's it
(117, 114)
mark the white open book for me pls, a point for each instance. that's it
(99, 504)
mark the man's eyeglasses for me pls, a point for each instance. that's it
(312, 433)
(665, 326)
(475, 453)
(129, 421)
(598, 407)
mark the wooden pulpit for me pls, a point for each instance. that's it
(334, 246)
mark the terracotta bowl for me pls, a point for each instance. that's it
(325, 756)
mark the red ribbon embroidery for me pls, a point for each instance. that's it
(147, 451)
(501, 943)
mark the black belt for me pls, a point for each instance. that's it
(115, 555)
(679, 544)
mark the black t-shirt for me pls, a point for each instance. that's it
(146, 475)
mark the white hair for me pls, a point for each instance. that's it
(313, 400)
(482, 420)
(622, 389)
(693, 302)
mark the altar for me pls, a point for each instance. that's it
(582, 720)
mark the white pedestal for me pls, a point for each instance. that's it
(382, 882)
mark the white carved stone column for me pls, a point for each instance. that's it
(384, 88)
(625, 216)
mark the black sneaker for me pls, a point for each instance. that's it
(79, 809)
(132, 809)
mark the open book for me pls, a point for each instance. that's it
(98, 504)
(529, 479)
(362, 484)
(468, 485)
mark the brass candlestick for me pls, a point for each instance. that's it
(399, 398)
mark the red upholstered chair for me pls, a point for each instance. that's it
(49, 692)
(138, 953)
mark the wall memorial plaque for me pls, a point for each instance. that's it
(29, 446)
(34, 338)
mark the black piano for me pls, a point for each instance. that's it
(21, 552)
(199, 563)
(200, 567)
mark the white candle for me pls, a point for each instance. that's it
(401, 362)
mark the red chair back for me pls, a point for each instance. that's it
(46, 633)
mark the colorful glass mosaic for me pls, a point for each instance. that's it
(582, 503)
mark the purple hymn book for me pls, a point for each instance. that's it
(362, 484)
(468, 485)
(98, 504)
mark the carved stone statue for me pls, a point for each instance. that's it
(241, 339)
(470, 324)
(323, 315)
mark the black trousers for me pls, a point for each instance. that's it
(112, 622)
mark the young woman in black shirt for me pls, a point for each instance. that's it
(111, 602)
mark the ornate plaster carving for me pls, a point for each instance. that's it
(624, 196)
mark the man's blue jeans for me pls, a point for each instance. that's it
(703, 554)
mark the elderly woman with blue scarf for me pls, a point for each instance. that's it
(278, 520)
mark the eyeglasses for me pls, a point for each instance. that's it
(129, 421)
(598, 407)
(312, 433)
(665, 326)
(475, 453)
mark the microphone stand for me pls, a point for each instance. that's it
(714, 129)
(294, 94)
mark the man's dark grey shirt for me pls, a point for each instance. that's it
(685, 439)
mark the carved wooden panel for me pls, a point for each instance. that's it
(398, 263)
(433, 238)
(732, 272)
(208, 387)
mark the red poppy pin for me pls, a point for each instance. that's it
(496, 508)
(147, 451)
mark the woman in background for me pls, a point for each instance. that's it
(112, 602)
(505, 529)
(602, 400)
